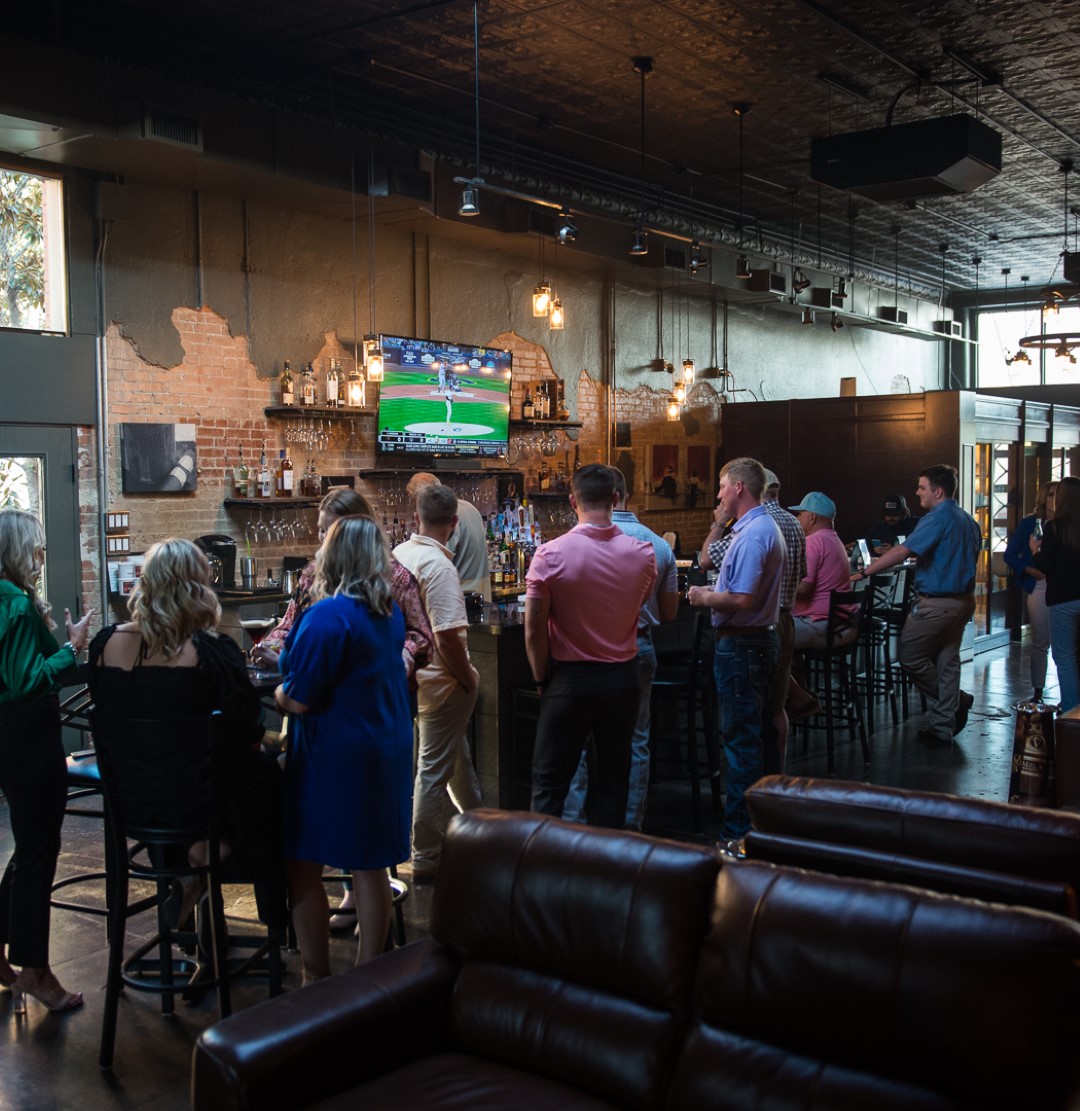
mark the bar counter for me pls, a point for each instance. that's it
(502, 748)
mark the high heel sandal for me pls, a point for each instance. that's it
(60, 1001)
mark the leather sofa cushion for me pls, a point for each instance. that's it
(974, 1001)
(975, 833)
(456, 1082)
(615, 911)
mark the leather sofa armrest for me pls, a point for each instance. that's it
(328, 1037)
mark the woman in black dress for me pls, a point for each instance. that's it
(170, 659)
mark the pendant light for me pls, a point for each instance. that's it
(742, 266)
(356, 388)
(470, 195)
(556, 317)
(541, 297)
(373, 356)
(1021, 355)
(640, 244)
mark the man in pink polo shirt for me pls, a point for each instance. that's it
(827, 569)
(584, 591)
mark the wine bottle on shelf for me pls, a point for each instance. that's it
(307, 386)
(288, 392)
(239, 475)
(333, 384)
(528, 410)
(266, 482)
(287, 475)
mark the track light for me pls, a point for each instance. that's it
(808, 315)
(799, 281)
(567, 230)
(640, 245)
(558, 319)
(470, 202)
(742, 267)
(836, 323)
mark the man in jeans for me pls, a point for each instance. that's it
(584, 593)
(447, 686)
(662, 604)
(745, 605)
(945, 544)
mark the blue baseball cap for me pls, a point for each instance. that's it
(816, 502)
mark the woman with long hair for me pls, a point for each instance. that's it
(1018, 556)
(33, 774)
(170, 658)
(344, 501)
(1058, 558)
(348, 771)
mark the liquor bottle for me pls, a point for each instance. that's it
(307, 387)
(541, 393)
(287, 475)
(333, 384)
(288, 394)
(266, 482)
(561, 411)
(545, 477)
(577, 457)
(528, 410)
(239, 475)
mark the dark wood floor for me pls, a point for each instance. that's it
(50, 1061)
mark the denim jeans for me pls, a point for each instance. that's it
(574, 807)
(1064, 633)
(743, 668)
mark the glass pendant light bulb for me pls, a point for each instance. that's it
(673, 410)
(558, 317)
(541, 299)
(689, 370)
(356, 390)
(374, 358)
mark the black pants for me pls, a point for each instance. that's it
(33, 777)
(600, 697)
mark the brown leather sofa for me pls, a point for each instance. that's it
(987, 850)
(572, 967)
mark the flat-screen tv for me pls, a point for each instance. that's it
(441, 398)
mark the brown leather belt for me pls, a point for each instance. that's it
(962, 594)
(741, 630)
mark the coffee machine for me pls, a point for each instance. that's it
(223, 549)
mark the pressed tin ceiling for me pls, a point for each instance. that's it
(560, 105)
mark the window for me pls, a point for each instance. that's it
(999, 339)
(33, 283)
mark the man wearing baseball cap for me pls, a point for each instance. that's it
(827, 569)
(895, 522)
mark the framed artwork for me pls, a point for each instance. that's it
(663, 472)
(157, 458)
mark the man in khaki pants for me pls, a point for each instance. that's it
(945, 544)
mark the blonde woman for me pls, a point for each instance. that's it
(348, 773)
(170, 660)
(33, 776)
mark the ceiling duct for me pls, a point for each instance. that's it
(166, 126)
(944, 156)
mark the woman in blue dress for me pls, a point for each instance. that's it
(348, 773)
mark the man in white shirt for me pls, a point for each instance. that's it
(448, 685)
(467, 544)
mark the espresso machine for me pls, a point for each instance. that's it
(222, 549)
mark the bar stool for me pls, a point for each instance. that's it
(835, 664)
(687, 678)
(162, 793)
(877, 677)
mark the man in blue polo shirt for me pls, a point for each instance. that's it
(945, 544)
(745, 608)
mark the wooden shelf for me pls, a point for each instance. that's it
(519, 423)
(316, 411)
(263, 503)
(377, 473)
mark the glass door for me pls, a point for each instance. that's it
(995, 465)
(37, 473)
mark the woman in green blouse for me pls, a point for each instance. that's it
(33, 774)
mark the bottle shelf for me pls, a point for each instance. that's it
(321, 411)
(295, 502)
(523, 423)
